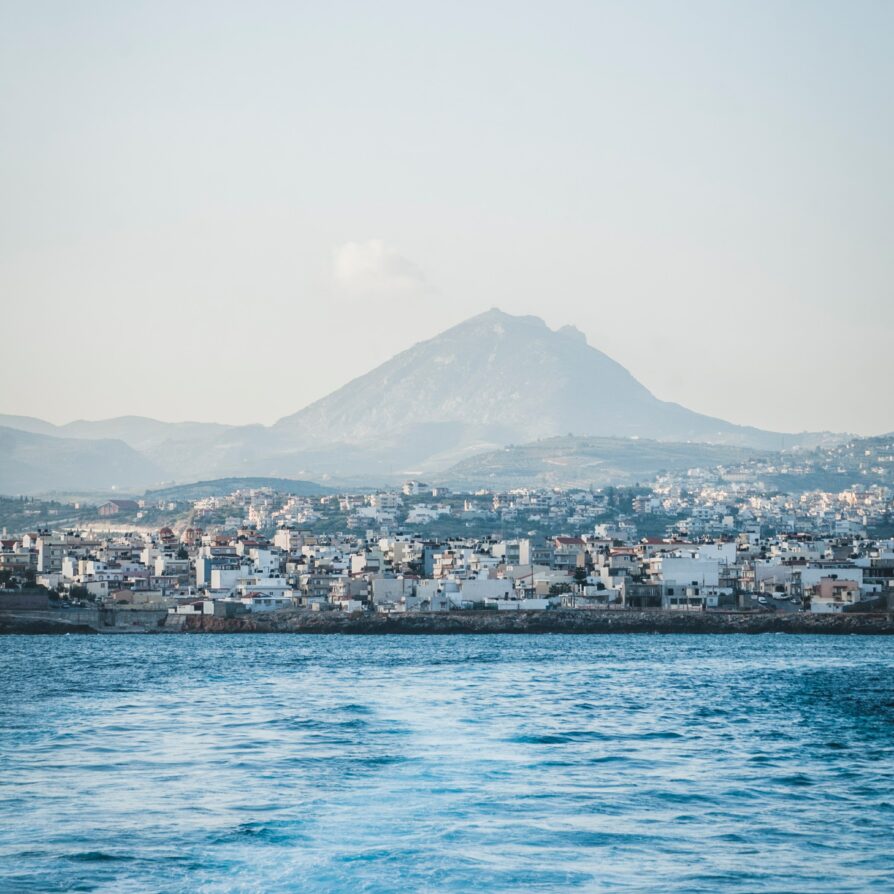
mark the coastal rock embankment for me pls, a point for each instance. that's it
(522, 622)
(43, 622)
(442, 623)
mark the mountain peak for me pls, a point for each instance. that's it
(494, 314)
(498, 322)
(573, 333)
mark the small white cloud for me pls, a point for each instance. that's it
(374, 267)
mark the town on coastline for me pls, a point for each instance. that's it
(679, 546)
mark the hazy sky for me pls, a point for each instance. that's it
(222, 211)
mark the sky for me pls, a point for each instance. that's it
(223, 211)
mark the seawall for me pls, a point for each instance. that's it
(441, 623)
(521, 622)
(82, 620)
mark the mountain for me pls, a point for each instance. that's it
(587, 462)
(492, 380)
(28, 423)
(143, 433)
(139, 432)
(35, 463)
(495, 379)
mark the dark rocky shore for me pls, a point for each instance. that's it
(25, 624)
(542, 622)
(466, 622)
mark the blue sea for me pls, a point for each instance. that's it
(446, 764)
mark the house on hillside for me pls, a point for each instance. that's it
(115, 507)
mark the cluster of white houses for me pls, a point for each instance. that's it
(692, 504)
(196, 571)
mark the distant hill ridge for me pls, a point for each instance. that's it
(587, 462)
(35, 463)
(220, 487)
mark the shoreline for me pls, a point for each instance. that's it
(466, 623)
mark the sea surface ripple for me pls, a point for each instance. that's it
(446, 764)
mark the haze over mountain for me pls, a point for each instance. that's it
(138, 432)
(35, 463)
(494, 380)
